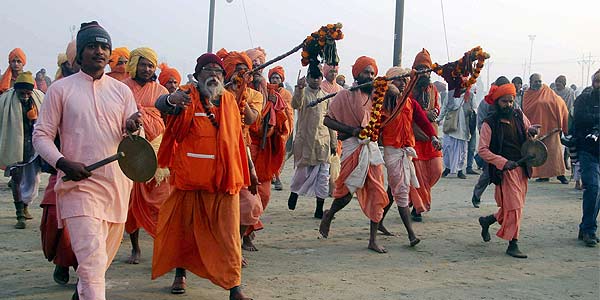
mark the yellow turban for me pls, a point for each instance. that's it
(62, 58)
(134, 58)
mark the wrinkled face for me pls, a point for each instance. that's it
(23, 94)
(368, 74)
(145, 70)
(16, 65)
(211, 74)
(172, 85)
(95, 56)
(535, 82)
(314, 83)
(240, 68)
(275, 79)
(340, 81)
(400, 83)
(330, 76)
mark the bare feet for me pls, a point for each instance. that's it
(325, 224)
(134, 259)
(384, 230)
(245, 262)
(248, 245)
(379, 249)
(238, 296)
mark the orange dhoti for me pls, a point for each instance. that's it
(144, 204)
(371, 194)
(510, 197)
(199, 231)
(428, 173)
(56, 243)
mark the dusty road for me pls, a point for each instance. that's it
(293, 263)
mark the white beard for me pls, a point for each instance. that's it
(212, 92)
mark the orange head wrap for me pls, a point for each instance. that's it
(232, 59)
(166, 73)
(257, 53)
(17, 53)
(7, 76)
(499, 91)
(115, 55)
(71, 52)
(361, 63)
(278, 70)
(423, 59)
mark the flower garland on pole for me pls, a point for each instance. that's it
(371, 131)
(461, 74)
(322, 43)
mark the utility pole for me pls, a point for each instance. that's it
(531, 38)
(397, 55)
(211, 25)
(489, 66)
(583, 63)
(590, 63)
(72, 29)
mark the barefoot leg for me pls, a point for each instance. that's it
(337, 205)
(247, 244)
(136, 252)
(382, 228)
(372, 239)
(236, 294)
(405, 216)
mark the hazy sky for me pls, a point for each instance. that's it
(178, 30)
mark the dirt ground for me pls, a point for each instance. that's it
(451, 262)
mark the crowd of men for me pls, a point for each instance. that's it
(220, 142)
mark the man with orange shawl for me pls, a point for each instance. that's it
(56, 242)
(146, 197)
(169, 77)
(118, 63)
(277, 77)
(398, 141)
(198, 225)
(502, 135)
(16, 61)
(428, 163)
(251, 104)
(362, 164)
(544, 107)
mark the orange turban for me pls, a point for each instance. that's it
(257, 53)
(423, 58)
(71, 52)
(116, 54)
(232, 59)
(499, 91)
(361, 63)
(278, 70)
(7, 76)
(166, 73)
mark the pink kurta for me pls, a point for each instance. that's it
(90, 117)
(354, 109)
(510, 193)
(329, 87)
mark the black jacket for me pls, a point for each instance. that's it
(586, 120)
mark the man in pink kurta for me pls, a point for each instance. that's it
(362, 163)
(544, 107)
(502, 136)
(146, 197)
(91, 112)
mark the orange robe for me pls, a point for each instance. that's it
(510, 193)
(146, 198)
(354, 109)
(198, 225)
(428, 163)
(268, 161)
(56, 242)
(120, 76)
(546, 108)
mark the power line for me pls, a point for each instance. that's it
(583, 63)
(247, 25)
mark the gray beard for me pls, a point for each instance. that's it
(211, 92)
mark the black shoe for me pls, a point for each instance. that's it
(476, 201)
(563, 179)
(415, 216)
(277, 185)
(292, 201)
(75, 295)
(513, 250)
(318, 214)
(590, 240)
(470, 171)
(461, 175)
(485, 223)
(61, 275)
(446, 172)
(542, 180)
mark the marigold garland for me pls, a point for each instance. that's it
(380, 86)
(238, 80)
(322, 43)
(461, 75)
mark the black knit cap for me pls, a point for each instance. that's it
(89, 33)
